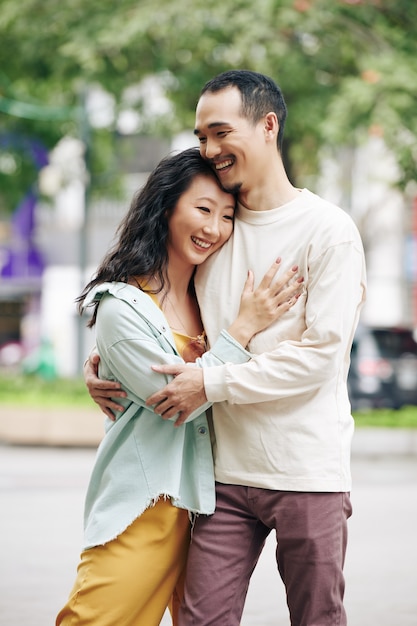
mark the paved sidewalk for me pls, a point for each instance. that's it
(42, 491)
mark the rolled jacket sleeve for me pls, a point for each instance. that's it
(130, 347)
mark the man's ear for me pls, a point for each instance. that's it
(271, 126)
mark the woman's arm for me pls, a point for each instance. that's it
(132, 337)
(258, 309)
(261, 307)
(335, 295)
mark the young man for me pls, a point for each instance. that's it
(282, 421)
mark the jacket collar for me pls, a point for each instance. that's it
(137, 299)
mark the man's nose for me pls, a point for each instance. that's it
(211, 148)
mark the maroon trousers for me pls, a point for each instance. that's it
(311, 532)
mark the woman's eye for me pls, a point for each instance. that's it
(204, 208)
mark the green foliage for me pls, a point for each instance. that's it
(347, 68)
(17, 173)
(33, 391)
(387, 418)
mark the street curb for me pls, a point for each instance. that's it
(83, 427)
(63, 426)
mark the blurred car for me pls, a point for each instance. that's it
(383, 371)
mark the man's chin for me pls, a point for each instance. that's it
(232, 188)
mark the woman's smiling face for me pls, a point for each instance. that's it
(201, 222)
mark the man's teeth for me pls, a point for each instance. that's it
(199, 242)
(221, 166)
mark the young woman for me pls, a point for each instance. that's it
(150, 477)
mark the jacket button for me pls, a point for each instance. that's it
(163, 328)
(202, 430)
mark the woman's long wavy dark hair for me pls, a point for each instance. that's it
(141, 246)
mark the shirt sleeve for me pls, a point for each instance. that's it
(335, 292)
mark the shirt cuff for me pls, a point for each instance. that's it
(215, 383)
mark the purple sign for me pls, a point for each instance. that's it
(21, 259)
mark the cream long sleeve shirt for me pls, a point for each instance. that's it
(282, 420)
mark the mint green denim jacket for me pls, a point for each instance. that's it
(142, 456)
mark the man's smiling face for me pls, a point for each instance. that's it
(230, 142)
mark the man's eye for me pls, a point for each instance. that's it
(202, 139)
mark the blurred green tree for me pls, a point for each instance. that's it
(347, 68)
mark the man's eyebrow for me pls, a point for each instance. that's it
(212, 125)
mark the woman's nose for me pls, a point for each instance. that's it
(212, 228)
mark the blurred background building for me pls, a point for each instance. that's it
(50, 254)
(93, 97)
